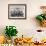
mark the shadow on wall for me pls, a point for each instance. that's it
(34, 22)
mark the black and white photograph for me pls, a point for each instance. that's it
(16, 11)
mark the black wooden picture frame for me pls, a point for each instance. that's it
(17, 11)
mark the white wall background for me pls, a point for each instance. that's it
(25, 27)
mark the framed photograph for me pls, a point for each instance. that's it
(16, 11)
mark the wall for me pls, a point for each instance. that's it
(26, 27)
